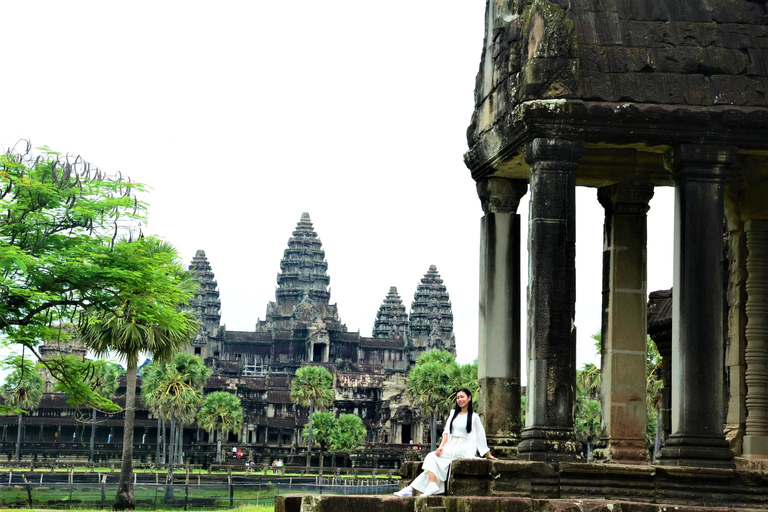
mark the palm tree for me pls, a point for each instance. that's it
(323, 425)
(431, 383)
(221, 411)
(105, 381)
(174, 390)
(22, 391)
(312, 387)
(349, 432)
(148, 321)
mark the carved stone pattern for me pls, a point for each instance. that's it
(756, 352)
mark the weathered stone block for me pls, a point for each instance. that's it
(683, 59)
(722, 61)
(647, 11)
(653, 34)
(735, 35)
(594, 5)
(597, 28)
(739, 90)
(597, 86)
(548, 78)
(728, 11)
(758, 61)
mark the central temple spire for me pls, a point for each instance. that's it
(303, 267)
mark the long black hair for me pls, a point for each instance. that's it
(457, 410)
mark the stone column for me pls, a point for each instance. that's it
(499, 320)
(548, 434)
(624, 326)
(756, 353)
(698, 394)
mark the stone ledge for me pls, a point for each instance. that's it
(317, 503)
(679, 486)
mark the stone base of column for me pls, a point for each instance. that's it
(622, 451)
(499, 405)
(696, 451)
(549, 445)
(756, 447)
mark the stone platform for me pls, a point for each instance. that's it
(315, 503)
(510, 485)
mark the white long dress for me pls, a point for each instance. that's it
(460, 445)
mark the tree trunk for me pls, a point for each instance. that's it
(180, 444)
(18, 440)
(171, 460)
(164, 451)
(159, 435)
(93, 434)
(124, 498)
(433, 429)
(309, 437)
(218, 444)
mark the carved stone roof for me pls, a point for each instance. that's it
(391, 319)
(248, 337)
(206, 301)
(382, 343)
(431, 307)
(303, 267)
(620, 72)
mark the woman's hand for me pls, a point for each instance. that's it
(491, 457)
(439, 451)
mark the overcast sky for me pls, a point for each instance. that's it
(243, 115)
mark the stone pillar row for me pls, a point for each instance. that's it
(697, 353)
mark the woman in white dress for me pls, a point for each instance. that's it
(463, 438)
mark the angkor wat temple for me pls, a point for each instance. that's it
(301, 326)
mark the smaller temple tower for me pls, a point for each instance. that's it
(431, 320)
(207, 306)
(391, 319)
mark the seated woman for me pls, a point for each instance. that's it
(463, 438)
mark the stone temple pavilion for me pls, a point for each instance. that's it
(622, 96)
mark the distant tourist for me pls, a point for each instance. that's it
(234, 452)
(74, 436)
(239, 453)
(274, 466)
(463, 438)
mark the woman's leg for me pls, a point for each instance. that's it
(431, 476)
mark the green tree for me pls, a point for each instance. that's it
(220, 412)
(349, 432)
(154, 285)
(22, 391)
(312, 387)
(61, 221)
(432, 384)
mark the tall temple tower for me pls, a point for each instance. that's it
(391, 319)
(431, 317)
(301, 311)
(303, 269)
(207, 306)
